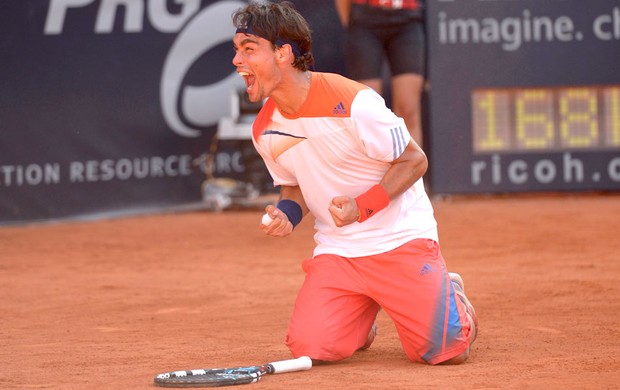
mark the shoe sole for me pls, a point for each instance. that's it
(371, 337)
(469, 308)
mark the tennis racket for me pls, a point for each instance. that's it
(216, 377)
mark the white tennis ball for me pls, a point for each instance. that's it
(267, 220)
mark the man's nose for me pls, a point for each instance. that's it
(236, 59)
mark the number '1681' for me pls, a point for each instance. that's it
(534, 119)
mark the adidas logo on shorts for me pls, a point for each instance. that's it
(426, 269)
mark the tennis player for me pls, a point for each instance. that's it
(338, 152)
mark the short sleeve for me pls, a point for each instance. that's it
(383, 134)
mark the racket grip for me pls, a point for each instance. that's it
(299, 364)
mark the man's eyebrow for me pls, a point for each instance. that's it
(246, 41)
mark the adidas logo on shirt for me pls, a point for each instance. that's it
(339, 109)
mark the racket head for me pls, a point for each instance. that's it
(215, 377)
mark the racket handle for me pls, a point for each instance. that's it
(299, 364)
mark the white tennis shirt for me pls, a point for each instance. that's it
(341, 142)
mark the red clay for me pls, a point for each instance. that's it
(109, 304)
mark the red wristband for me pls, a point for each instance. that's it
(372, 201)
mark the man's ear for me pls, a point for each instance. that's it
(285, 54)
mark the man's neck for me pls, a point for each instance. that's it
(293, 92)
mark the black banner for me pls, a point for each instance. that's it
(525, 95)
(109, 107)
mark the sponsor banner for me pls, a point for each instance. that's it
(110, 107)
(525, 95)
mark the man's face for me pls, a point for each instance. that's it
(256, 63)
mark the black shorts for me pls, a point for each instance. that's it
(376, 34)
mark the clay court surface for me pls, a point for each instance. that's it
(108, 304)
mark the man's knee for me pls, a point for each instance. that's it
(318, 348)
(457, 359)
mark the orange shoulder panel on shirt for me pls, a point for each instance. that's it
(330, 95)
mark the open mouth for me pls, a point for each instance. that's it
(249, 80)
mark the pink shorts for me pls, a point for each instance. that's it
(340, 298)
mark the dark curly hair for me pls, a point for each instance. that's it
(281, 24)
